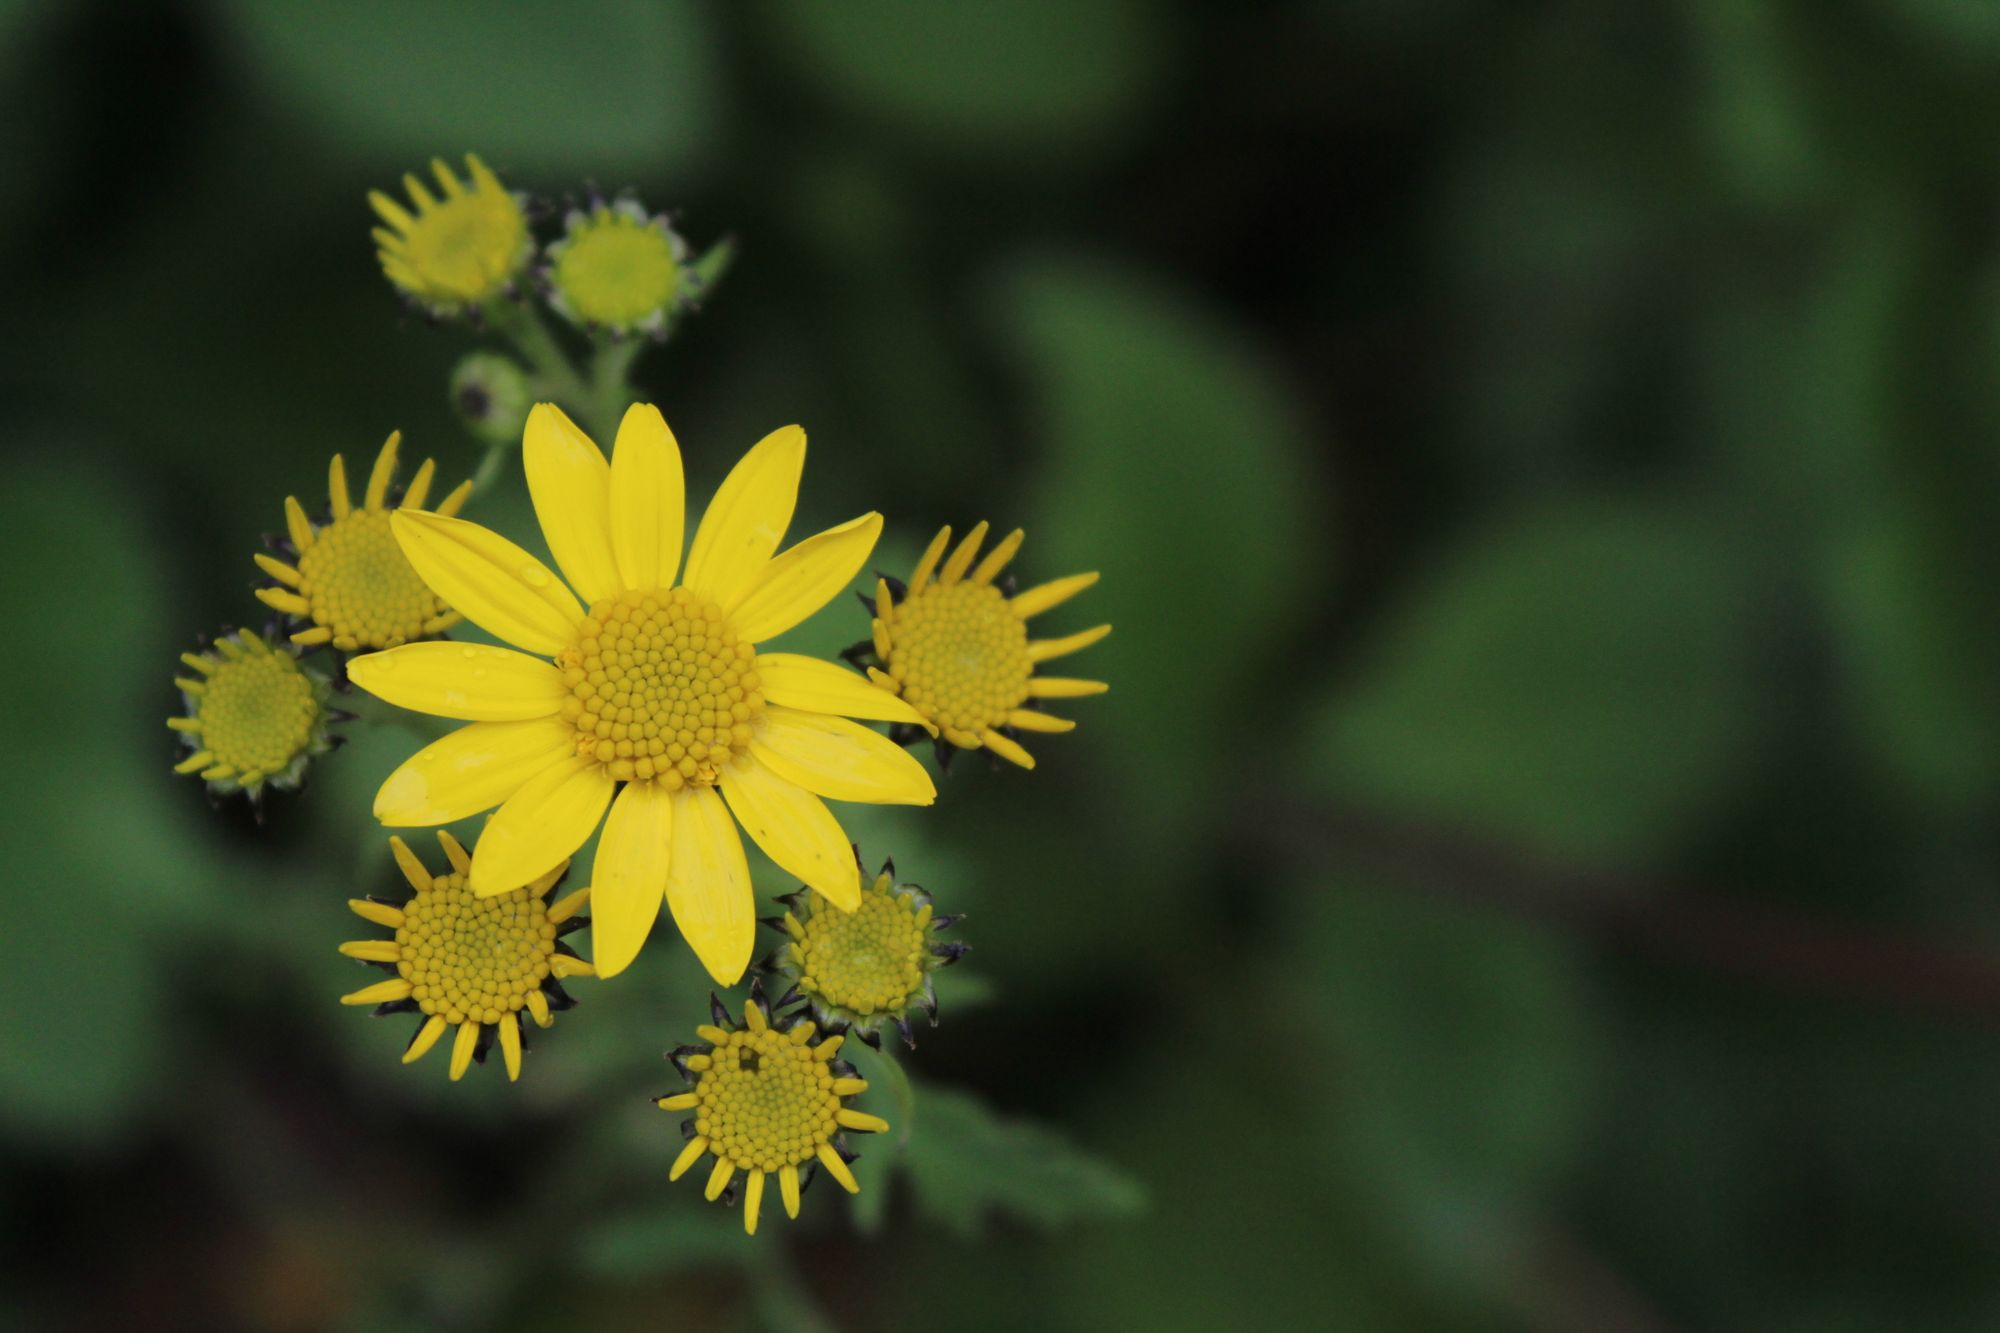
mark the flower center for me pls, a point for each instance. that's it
(468, 957)
(362, 587)
(661, 687)
(961, 655)
(258, 712)
(868, 961)
(617, 270)
(765, 1101)
(466, 247)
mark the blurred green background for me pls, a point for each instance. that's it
(1535, 869)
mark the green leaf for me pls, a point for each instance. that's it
(1578, 680)
(968, 1165)
(1032, 72)
(591, 85)
(670, 1236)
(1176, 468)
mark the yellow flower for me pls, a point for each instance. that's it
(766, 1100)
(457, 251)
(350, 582)
(254, 715)
(957, 649)
(868, 967)
(617, 268)
(656, 685)
(466, 962)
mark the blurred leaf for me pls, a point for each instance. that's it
(107, 863)
(1040, 72)
(1459, 1063)
(1579, 679)
(677, 1234)
(967, 1165)
(564, 90)
(1175, 467)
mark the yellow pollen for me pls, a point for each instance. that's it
(360, 586)
(960, 656)
(661, 688)
(257, 713)
(766, 1101)
(473, 958)
(870, 961)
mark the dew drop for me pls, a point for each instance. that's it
(534, 576)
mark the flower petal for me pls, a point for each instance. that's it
(489, 580)
(648, 500)
(804, 579)
(474, 681)
(708, 885)
(748, 517)
(833, 757)
(630, 875)
(473, 769)
(795, 829)
(540, 824)
(571, 486)
(796, 681)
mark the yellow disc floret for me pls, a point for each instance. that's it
(458, 250)
(617, 268)
(253, 715)
(468, 962)
(766, 1100)
(661, 688)
(957, 649)
(350, 581)
(863, 968)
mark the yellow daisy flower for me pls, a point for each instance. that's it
(867, 967)
(655, 684)
(766, 1101)
(454, 252)
(956, 649)
(348, 580)
(469, 963)
(618, 268)
(254, 715)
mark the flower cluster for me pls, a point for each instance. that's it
(632, 696)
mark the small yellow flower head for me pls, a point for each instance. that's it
(956, 648)
(254, 715)
(349, 582)
(766, 1100)
(470, 964)
(867, 967)
(619, 269)
(458, 251)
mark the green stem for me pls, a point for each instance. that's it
(610, 389)
(880, 1064)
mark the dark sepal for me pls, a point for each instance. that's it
(718, 1015)
(421, 1025)
(947, 921)
(857, 654)
(559, 999)
(678, 1057)
(903, 1031)
(790, 997)
(951, 951)
(898, 590)
(571, 926)
(387, 1007)
(929, 1000)
(944, 750)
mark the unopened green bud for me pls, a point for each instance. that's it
(491, 396)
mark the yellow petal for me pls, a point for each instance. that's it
(539, 825)
(753, 1201)
(1041, 650)
(630, 876)
(804, 579)
(932, 554)
(492, 582)
(844, 760)
(510, 1045)
(1063, 687)
(997, 558)
(1053, 593)
(788, 1188)
(708, 884)
(462, 1047)
(796, 681)
(955, 565)
(427, 1037)
(383, 472)
(795, 829)
(476, 682)
(748, 517)
(648, 500)
(336, 487)
(835, 1167)
(571, 485)
(474, 768)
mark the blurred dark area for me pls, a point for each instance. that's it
(1535, 868)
